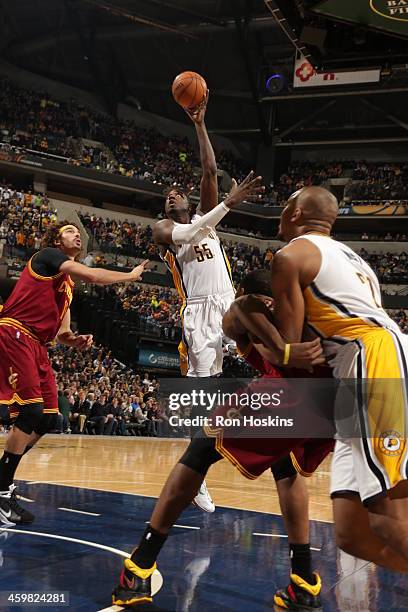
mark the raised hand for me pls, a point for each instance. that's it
(197, 114)
(136, 273)
(250, 189)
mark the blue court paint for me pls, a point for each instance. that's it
(222, 566)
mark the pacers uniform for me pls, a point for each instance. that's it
(29, 320)
(343, 306)
(202, 276)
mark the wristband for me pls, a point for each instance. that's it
(286, 354)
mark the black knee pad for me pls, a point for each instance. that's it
(283, 468)
(201, 453)
(47, 423)
(29, 417)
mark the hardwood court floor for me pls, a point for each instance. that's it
(140, 466)
(92, 497)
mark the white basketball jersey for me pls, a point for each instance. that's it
(344, 300)
(201, 269)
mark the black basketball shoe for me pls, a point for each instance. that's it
(300, 595)
(11, 513)
(135, 585)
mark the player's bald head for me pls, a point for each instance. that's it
(317, 203)
(308, 209)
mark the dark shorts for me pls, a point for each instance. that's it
(34, 383)
(254, 454)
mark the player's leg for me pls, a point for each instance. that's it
(18, 438)
(354, 533)
(203, 498)
(388, 519)
(305, 586)
(20, 389)
(178, 492)
(355, 536)
(198, 350)
(380, 456)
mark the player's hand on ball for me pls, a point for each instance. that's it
(305, 355)
(250, 189)
(197, 114)
(136, 273)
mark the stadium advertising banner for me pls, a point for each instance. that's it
(375, 209)
(158, 359)
(389, 15)
(306, 76)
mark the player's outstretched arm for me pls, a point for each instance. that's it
(69, 338)
(100, 276)
(209, 181)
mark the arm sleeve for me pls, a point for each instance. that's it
(186, 233)
(48, 261)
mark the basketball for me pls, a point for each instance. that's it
(189, 89)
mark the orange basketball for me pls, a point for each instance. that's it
(189, 89)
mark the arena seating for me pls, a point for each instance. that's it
(80, 135)
(35, 121)
(83, 378)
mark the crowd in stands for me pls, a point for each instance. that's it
(120, 237)
(155, 310)
(98, 395)
(301, 174)
(379, 181)
(24, 216)
(401, 317)
(389, 267)
(370, 180)
(36, 121)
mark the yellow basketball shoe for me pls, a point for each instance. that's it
(299, 594)
(135, 585)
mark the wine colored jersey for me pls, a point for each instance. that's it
(263, 366)
(41, 297)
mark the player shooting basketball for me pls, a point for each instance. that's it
(192, 251)
(36, 313)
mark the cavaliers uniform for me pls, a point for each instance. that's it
(343, 306)
(29, 320)
(202, 277)
(253, 455)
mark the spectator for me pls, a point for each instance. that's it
(97, 416)
(64, 408)
(80, 412)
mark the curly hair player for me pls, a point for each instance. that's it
(36, 313)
